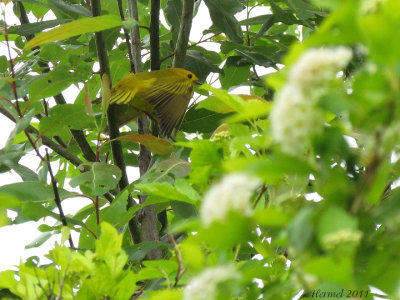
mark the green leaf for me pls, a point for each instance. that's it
(333, 219)
(66, 116)
(173, 13)
(139, 251)
(110, 242)
(258, 20)
(178, 167)
(154, 144)
(224, 235)
(201, 120)
(164, 267)
(52, 83)
(223, 18)
(303, 9)
(233, 101)
(265, 26)
(4, 64)
(271, 216)
(215, 104)
(183, 209)
(32, 191)
(234, 76)
(204, 154)
(337, 270)
(71, 8)
(252, 109)
(272, 169)
(165, 294)
(40, 240)
(199, 64)
(25, 173)
(51, 52)
(283, 15)
(4, 220)
(75, 28)
(100, 179)
(167, 191)
(301, 229)
(9, 201)
(31, 28)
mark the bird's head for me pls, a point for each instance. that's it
(187, 75)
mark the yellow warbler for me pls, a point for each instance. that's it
(163, 95)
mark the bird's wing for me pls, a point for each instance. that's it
(126, 89)
(170, 102)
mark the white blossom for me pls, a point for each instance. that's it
(344, 236)
(205, 285)
(295, 116)
(317, 67)
(232, 193)
(371, 6)
(294, 119)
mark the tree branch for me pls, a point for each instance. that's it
(57, 199)
(135, 36)
(126, 35)
(148, 214)
(155, 35)
(184, 32)
(116, 146)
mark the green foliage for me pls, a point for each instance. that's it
(245, 218)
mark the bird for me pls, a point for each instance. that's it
(163, 95)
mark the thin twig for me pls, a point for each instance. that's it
(57, 199)
(126, 35)
(47, 141)
(178, 255)
(263, 190)
(140, 291)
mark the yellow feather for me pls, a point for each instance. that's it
(164, 95)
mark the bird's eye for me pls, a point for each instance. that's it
(190, 76)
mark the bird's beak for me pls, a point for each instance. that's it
(199, 82)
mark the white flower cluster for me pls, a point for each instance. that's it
(295, 116)
(317, 67)
(345, 236)
(371, 6)
(232, 193)
(205, 285)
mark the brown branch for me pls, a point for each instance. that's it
(126, 35)
(116, 146)
(148, 215)
(57, 199)
(263, 190)
(184, 32)
(178, 255)
(155, 35)
(135, 35)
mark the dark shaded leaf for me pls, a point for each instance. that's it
(31, 28)
(223, 18)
